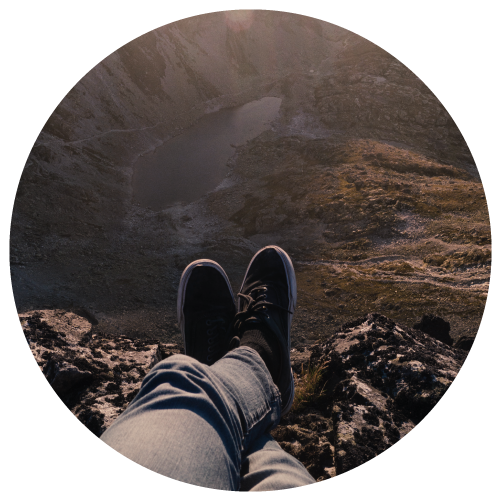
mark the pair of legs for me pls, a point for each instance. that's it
(204, 418)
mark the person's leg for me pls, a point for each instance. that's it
(193, 422)
(205, 425)
(208, 426)
(267, 467)
(266, 304)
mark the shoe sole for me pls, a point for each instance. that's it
(181, 294)
(292, 302)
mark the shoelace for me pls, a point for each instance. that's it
(257, 303)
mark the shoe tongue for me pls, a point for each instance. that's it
(213, 313)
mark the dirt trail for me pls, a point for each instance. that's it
(461, 279)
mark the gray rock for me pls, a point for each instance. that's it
(309, 445)
(63, 376)
(379, 380)
(95, 376)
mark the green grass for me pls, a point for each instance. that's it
(309, 388)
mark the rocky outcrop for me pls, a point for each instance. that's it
(378, 379)
(95, 377)
(371, 94)
(464, 342)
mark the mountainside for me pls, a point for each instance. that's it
(78, 239)
(363, 179)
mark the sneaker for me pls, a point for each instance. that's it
(205, 310)
(266, 302)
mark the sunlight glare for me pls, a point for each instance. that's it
(239, 20)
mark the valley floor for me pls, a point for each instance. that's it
(369, 227)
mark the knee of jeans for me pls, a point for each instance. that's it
(265, 442)
(176, 370)
(176, 360)
(179, 362)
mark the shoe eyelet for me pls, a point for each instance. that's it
(208, 322)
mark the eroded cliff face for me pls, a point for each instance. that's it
(370, 94)
(362, 163)
(76, 192)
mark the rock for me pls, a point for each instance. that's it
(464, 342)
(96, 377)
(330, 292)
(309, 446)
(435, 327)
(365, 423)
(379, 379)
(329, 235)
(63, 376)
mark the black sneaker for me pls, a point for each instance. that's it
(205, 310)
(266, 302)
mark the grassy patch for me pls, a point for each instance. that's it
(462, 230)
(400, 268)
(309, 388)
(465, 197)
(360, 244)
(351, 251)
(474, 257)
(394, 159)
(348, 295)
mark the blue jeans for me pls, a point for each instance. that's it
(209, 425)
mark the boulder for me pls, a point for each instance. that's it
(378, 380)
(95, 376)
(435, 327)
(63, 376)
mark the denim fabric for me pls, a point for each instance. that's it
(208, 425)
